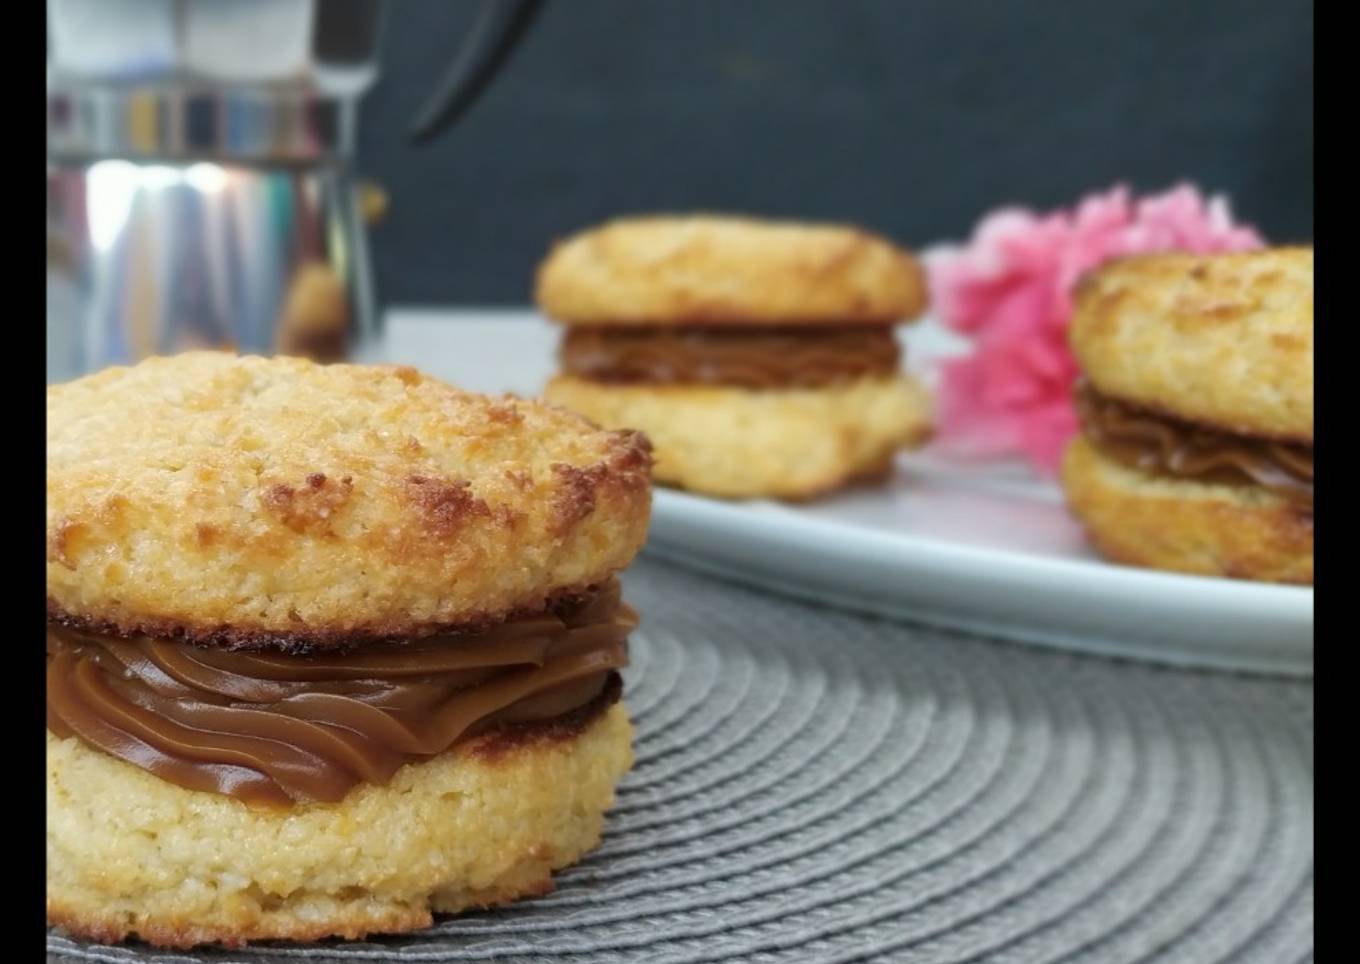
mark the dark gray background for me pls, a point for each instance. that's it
(908, 116)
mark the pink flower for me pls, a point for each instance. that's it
(1010, 289)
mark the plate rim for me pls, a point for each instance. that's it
(964, 553)
(782, 529)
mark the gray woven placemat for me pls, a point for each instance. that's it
(816, 786)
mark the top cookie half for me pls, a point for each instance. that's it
(1225, 340)
(251, 501)
(725, 270)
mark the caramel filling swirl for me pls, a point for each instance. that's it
(1166, 446)
(740, 356)
(276, 729)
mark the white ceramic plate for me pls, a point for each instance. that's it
(984, 548)
(975, 550)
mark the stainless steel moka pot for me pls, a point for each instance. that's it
(200, 182)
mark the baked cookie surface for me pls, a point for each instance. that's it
(1239, 532)
(728, 270)
(738, 442)
(239, 500)
(1225, 340)
(130, 855)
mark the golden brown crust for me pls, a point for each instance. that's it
(1226, 340)
(176, 867)
(217, 498)
(1241, 532)
(313, 639)
(781, 443)
(719, 270)
(102, 927)
(355, 924)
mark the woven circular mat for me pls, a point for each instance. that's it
(817, 786)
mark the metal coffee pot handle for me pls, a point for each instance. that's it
(499, 26)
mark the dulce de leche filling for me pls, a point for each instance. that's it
(274, 729)
(746, 357)
(1165, 446)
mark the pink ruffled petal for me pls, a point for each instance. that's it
(1010, 288)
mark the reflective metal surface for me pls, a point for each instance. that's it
(183, 123)
(157, 258)
(199, 188)
(327, 46)
(254, 80)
